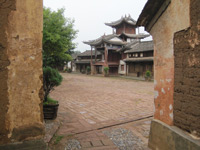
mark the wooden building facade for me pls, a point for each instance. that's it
(117, 50)
(84, 59)
(139, 59)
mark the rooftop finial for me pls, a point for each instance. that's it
(125, 15)
(129, 15)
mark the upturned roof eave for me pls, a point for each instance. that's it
(118, 24)
(135, 36)
(122, 20)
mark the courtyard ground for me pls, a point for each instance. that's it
(101, 113)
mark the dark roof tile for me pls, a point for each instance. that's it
(141, 47)
(88, 53)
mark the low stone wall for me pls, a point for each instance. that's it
(165, 137)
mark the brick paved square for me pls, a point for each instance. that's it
(100, 100)
(90, 104)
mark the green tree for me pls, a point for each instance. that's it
(58, 35)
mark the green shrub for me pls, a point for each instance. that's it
(106, 69)
(51, 79)
(148, 73)
(88, 69)
(50, 101)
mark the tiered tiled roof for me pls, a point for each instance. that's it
(111, 39)
(125, 19)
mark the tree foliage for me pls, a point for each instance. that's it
(58, 35)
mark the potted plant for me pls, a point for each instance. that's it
(106, 71)
(88, 69)
(51, 79)
(69, 70)
(83, 71)
(148, 75)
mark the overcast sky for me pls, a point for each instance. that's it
(90, 15)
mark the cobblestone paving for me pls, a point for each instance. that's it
(130, 136)
(125, 139)
(73, 145)
(89, 103)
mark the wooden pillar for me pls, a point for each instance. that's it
(91, 64)
(106, 54)
(95, 54)
(127, 66)
(91, 56)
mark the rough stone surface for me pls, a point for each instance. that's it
(73, 145)
(187, 74)
(6, 7)
(20, 70)
(163, 33)
(125, 139)
(165, 137)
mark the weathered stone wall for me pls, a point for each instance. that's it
(187, 74)
(5, 9)
(175, 18)
(21, 70)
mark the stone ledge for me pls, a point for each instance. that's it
(165, 137)
(26, 145)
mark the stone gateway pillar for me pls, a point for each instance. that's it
(175, 27)
(21, 92)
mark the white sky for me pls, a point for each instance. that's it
(90, 16)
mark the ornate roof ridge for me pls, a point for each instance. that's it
(126, 19)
